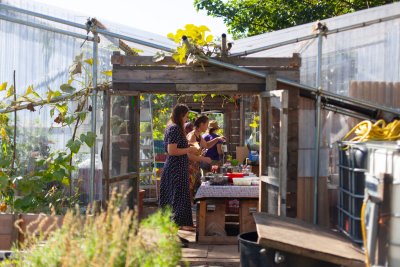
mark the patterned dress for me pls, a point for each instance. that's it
(194, 173)
(174, 187)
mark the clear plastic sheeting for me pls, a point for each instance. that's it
(369, 54)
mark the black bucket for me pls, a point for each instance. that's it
(252, 254)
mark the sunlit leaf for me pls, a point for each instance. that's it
(3, 134)
(63, 108)
(209, 38)
(89, 138)
(89, 61)
(56, 93)
(59, 174)
(74, 145)
(136, 50)
(107, 73)
(49, 95)
(67, 88)
(10, 91)
(141, 97)
(3, 86)
(171, 36)
(82, 115)
(65, 181)
(29, 90)
(204, 28)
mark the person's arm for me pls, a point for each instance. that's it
(172, 138)
(173, 150)
(211, 143)
(196, 158)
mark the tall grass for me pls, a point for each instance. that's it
(109, 238)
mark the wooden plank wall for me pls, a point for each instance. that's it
(382, 93)
(292, 149)
(305, 185)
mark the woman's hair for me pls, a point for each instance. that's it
(188, 127)
(211, 130)
(200, 120)
(178, 113)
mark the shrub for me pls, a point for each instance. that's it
(109, 238)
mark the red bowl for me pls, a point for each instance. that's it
(234, 175)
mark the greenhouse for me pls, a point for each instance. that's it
(90, 100)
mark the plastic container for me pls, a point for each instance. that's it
(353, 162)
(384, 157)
(234, 175)
(242, 181)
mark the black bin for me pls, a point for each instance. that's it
(253, 255)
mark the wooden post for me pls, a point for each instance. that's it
(384, 220)
(106, 147)
(283, 133)
(134, 149)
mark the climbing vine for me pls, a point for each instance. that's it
(43, 184)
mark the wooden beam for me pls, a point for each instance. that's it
(169, 88)
(189, 76)
(213, 88)
(279, 62)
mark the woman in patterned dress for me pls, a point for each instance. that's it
(174, 187)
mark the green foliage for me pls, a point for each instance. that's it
(252, 17)
(162, 105)
(109, 238)
(40, 178)
(201, 44)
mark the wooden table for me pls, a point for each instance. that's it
(211, 212)
(301, 238)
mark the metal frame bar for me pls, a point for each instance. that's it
(43, 16)
(94, 120)
(317, 132)
(46, 28)
(313, 36)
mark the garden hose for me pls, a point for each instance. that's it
(379, 131)
(364, 233)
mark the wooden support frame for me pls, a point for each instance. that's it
(140, 74)
(272, 176)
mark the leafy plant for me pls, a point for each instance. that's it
(201, 44)
(251, 17)
(110, 238)
(43, 186)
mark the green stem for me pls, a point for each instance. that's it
(80, 105)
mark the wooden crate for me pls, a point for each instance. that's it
(211, 220)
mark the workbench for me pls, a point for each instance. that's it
(214, 217)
